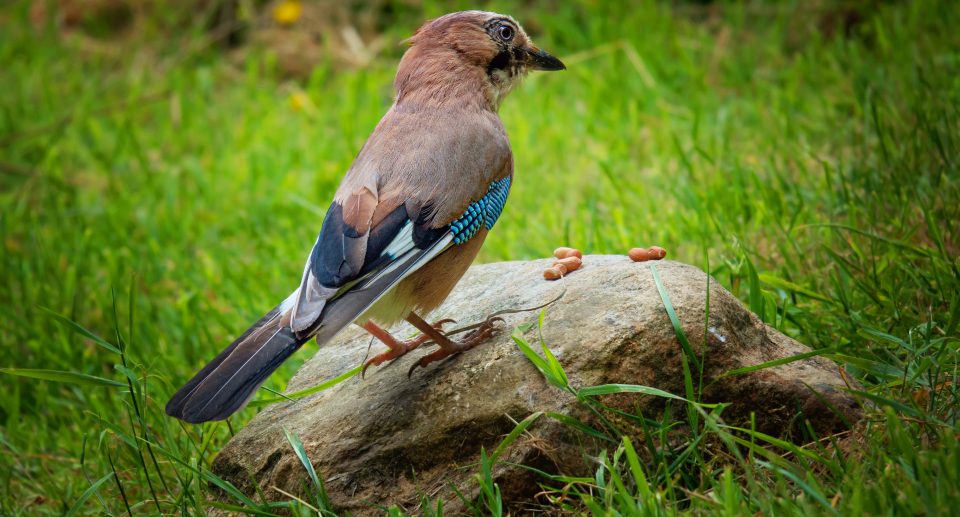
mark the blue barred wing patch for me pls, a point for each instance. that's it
(484, 211)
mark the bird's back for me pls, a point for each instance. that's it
(444, 157)
(443, 160)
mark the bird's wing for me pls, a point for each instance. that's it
(360, 239)
(414, 246)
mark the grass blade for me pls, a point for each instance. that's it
(786, 285)
(62, 376)
(643, 487)
(308, 391)
(606, 389)
(807, 489)
(674, 320)
(514, 434)
(80, 329)
(323, 501)
(87, 493)
(778, 362)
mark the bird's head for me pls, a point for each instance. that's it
(468, 55)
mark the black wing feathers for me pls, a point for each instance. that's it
(340, 250)
(381, 235)
(343, 253)
(424, 234)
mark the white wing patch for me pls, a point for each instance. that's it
(438, 248)
(309, 299)
(402, 243)
(290, 301)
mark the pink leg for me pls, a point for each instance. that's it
(397, 348)
(448, 347)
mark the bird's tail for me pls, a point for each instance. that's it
(227, 383)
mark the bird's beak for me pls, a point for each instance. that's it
(540, 60)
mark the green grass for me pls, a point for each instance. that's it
(164, 196)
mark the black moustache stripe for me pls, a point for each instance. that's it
(500, 62)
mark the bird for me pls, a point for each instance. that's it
(408, 218)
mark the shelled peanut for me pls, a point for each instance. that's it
(563, 252)
(645, 254)
(568, 261)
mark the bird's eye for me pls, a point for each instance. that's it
(505, 32)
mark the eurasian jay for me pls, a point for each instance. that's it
(408, 218)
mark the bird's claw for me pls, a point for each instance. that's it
(439, 324)
(474, 338)
(399, 348)
(393, 353)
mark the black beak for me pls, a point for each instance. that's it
(540, 60)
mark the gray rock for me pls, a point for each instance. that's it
(387, 438)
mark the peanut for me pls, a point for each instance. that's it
(552, 273)
(658, 252)
(639, 254)
(571, 263)
(564, 252)
(645, 254)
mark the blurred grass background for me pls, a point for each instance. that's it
(179, 156)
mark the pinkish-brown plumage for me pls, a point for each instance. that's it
(447, 64)
(409, 217)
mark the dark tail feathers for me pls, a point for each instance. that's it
(227, 383)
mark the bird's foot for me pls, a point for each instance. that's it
(449, 347)
(398, 348)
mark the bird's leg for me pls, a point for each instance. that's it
(448, 346)
(397, 347)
